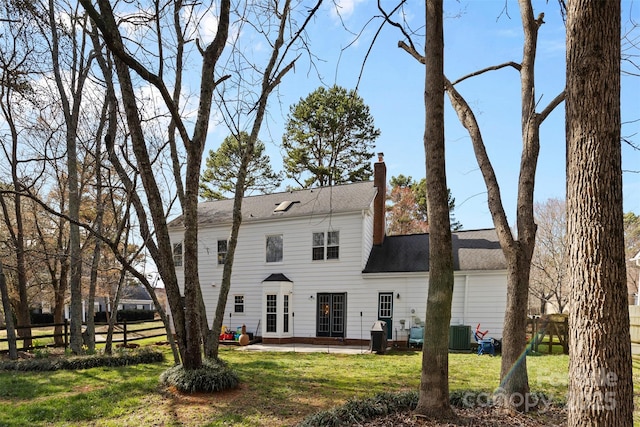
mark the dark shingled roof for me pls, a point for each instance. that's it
(277, 277)
(316, 201)
(136, 292)
(472, 250)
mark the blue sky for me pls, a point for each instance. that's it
(478, 33)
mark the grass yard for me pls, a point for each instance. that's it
(277, 389)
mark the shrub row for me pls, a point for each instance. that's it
(40, 318)
(357, 411)
(129, 315)
(123, 358)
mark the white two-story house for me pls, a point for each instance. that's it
(315, 266)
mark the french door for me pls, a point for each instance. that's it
(331, 315)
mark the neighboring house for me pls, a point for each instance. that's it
(634, 288)
(135, 297)
(315, 266)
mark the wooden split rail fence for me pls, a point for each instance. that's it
(44, 335)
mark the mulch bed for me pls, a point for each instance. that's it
(476, 417)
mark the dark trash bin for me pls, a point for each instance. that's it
(378, 342)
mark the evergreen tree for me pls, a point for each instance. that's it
(329, 139)
(218, 181)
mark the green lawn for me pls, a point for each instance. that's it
(276, 389)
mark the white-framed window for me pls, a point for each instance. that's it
(318, 246)
(285, 314)
(177, 254)
(238, 304)
(274, 248)
(222, 251)
(272, 312)
(333, 244)
(328, 248)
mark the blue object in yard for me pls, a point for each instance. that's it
(486, 346)
(416, 336)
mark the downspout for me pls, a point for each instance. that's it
(466, 299)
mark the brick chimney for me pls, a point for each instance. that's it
(379, 203)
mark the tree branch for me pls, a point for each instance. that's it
(113, 40)
(552, 105)
(484, 70)
(411, 51)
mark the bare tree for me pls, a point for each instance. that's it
(16, 65)
(190, 322)
(518, 248)
(286, 38)
(71, 44)
(600, 367)
(549, 264)
(434, 379)
(186, 315)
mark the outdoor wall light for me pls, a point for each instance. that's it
(398, 295)
(311, 297)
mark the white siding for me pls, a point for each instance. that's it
(485, 299)
(479, 297)
(367, 235)
(308, 277)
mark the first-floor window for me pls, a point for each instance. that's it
(285, 315)
(272, 310)
(238, 303)
(177, 254)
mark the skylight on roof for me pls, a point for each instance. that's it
(284, 206)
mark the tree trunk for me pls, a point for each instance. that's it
(58, 309)
(514, 380)
(434, 379)
(23, 314)
(113, 314)
(97, 250)
(8, 316)
(600, 368)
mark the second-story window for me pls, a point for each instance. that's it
(222, 251)
(274, 248)
(333, 244)
(328, 248)
(318, 246)
(177, 254)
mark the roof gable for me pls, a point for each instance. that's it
(472, 250)
(135, 292)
